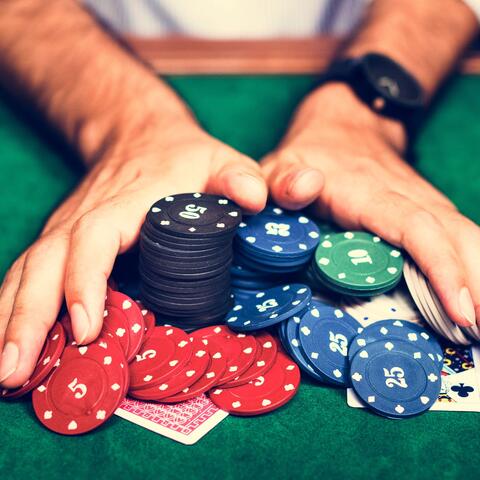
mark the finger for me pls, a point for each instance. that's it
(238, 178)
(465, 235)
(96, 239)
(37, 303)
(293, 185)
(402, 222)
(7, 294)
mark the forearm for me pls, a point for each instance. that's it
(424, 36)
(56, 55)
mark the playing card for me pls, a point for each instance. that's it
(392, 305)
(185, 422)
(460, 390)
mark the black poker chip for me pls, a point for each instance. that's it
(178, 263)
(185, 244)
(187, 274)
(195, 215)
(161, 250)
(185, 255)
(172, 284)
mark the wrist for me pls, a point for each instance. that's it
(336, 102)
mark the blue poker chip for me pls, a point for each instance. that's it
(276, 231)
(269, 307)
(395, 378)
(243, 272)
(399, 330)
(257, 285)
(270, 257)
(242, 294)
(325, 335)
(291, 342)
(263, 267)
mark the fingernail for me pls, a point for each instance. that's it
(80, 322)
(9, 361)
(466, 306)
(305, 182)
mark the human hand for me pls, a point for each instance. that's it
(346, 160)
(75, 253)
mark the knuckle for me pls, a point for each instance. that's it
(84, 223)
(20, 311)
(419, 217)
(15, 268)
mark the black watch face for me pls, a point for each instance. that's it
(392, 81)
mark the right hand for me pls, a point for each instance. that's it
(75, 253)
(346, 160)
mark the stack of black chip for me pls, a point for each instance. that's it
(185, 257)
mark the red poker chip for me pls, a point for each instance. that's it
(67, 326)
(113, 343)
(264, 394)
(214, 371)
(48, 359)
(136, 327)
(107, 341)
(149, 319)
(264, 360)
(116, 323)
(163, 355)
(190, 374)
(240, 349)
(84, 391)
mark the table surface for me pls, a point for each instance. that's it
(317, 433)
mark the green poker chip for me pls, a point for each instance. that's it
(358, 262)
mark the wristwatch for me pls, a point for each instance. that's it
(382, 84)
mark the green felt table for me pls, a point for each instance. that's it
(317, 434)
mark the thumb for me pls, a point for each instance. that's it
(293, 184)
(240, 179)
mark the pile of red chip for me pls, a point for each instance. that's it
(78, 388)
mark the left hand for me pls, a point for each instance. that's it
(347, 161)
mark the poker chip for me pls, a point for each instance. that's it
(325, 334)
(277, 231)
(215, 369)
(84, 391)
(114, 344)
(135, 321)
(195, 215)
(290, 338)
(66, 322)
(185, 256)
(266, 393)
(239, 349)
(269, 307)
(257, 284)
(395, 378)
(399, 330)
(148, 320)
(47, 361)
(116, 323)
(264, 359)
(357, 263)
(188, 375)
(161, 356)
(274, 242)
